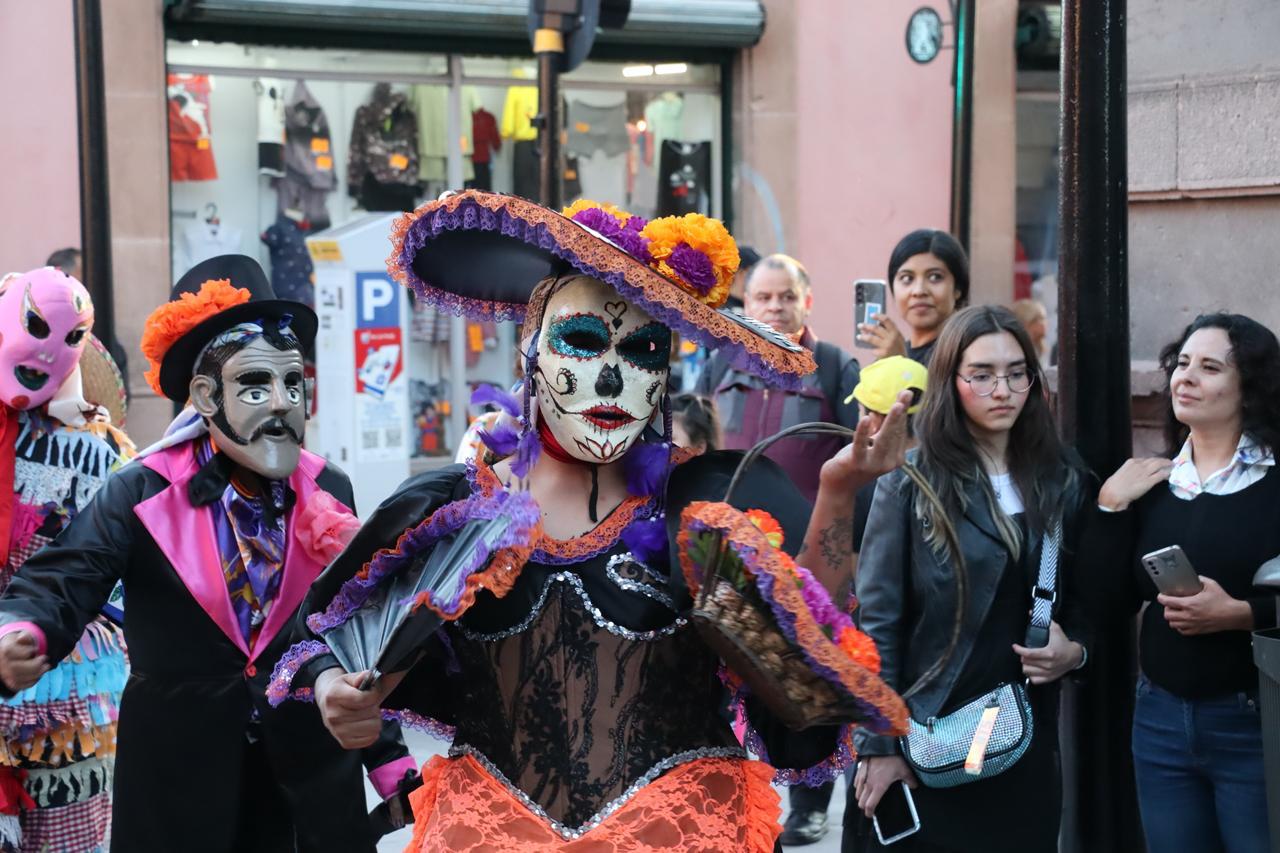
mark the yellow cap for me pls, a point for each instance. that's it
(880, 383)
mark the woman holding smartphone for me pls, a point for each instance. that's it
(993, 478)
(1197, 738)
(929, 280)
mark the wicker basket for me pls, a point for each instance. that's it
(742, 630)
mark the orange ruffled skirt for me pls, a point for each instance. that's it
(709, 805)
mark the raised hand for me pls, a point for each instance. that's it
(353, 716)
(1133, 480)
(882, 336)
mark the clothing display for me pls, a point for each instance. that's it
(308, 158)
(684, 178)
(431, 106)
(382, 160)
(663, 116)
(597, 128)
(190, 140)
(215, 558)
(59, 735)
(484, 136)
(584, 709)
(518, 112)
(200, 241)
(292, 272)
(271, 130)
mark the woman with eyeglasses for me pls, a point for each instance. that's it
(958, 546)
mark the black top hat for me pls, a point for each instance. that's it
(244, 272)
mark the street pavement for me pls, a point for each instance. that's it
(424, 746)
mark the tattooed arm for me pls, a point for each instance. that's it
(828, 544)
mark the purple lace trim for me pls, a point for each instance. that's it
(445, 520)
(431, 726)
(472, 216)
(280, 686)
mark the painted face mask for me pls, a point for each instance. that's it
(602, 370)
(260, 417)
(44, 317)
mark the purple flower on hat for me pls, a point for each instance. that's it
(693, 267)
(627, 238)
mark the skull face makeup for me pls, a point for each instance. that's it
(257, 408)
(602, 369)
(44, 317)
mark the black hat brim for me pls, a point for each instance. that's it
(178, 365)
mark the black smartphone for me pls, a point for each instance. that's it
(868, 300)
(895, 816)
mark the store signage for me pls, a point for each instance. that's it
(381, 386)
(325, 251)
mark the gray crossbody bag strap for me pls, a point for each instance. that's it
(1045, 593)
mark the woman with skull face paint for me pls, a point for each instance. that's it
(55, 452)
(582, 707)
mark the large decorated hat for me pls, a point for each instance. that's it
(213, 296)
(482, 254)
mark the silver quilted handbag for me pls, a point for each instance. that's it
(937, 748)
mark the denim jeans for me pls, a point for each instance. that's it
(1199, 769)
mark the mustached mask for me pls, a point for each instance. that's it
(601, 370)
(44, 317)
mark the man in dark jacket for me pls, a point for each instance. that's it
(217, 532)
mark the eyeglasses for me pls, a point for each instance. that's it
(984, 384)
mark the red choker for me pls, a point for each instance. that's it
(552, 447)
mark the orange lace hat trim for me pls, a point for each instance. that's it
(660, 295)
(709, 805)
(174, 319)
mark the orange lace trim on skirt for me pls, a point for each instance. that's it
(709, 805)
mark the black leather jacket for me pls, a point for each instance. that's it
(907, 594)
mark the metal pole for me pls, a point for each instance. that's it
(459, 391)
(95, 209)
(548, 45)
(962, 121)
(1094, 399)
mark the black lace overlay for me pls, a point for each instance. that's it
(581, 682)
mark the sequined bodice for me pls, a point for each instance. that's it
(581, 685)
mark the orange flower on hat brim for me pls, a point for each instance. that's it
(696, 252)
(173, 320)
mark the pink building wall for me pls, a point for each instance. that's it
(39, 159)
(845, 140)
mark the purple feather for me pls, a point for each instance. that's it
(502, 439)
(647, 540)
(646, 468)
(527, 450)
(492, 395)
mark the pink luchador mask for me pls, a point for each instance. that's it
(44, 317)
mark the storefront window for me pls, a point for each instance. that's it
(274, 149)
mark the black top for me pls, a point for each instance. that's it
(1226, 537)
(922, 353)
(861, 512)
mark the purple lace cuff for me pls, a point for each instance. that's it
(280, 687)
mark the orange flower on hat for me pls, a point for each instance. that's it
(696, 252)
(174, 319)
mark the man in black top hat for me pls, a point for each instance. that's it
(217, 531)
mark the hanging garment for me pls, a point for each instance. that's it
(200, 241)
(597, 128)
(271, 133)
(190, 135)
(663, 117)
(518, 112)
(309, 175)
(684, 178)
(485, 138)
(383, 155)
(292, 273)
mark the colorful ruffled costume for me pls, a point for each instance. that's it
(584, 712)
(60, 734)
